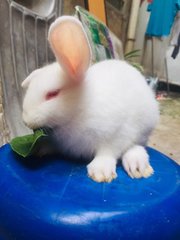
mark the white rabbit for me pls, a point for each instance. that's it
(105, 111)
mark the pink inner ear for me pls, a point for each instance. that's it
(52, 94)
(71, 48)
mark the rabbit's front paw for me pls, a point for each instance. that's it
(102, 169)
(136, 163)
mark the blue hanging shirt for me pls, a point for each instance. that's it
(162, 17)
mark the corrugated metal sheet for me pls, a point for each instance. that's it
(23, 48)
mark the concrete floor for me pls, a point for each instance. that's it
(166, 137)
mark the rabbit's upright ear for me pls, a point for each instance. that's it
(70, 46)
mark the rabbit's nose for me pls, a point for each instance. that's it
(31, 120)
(24, 116)
(26, 119)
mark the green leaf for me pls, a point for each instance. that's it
(132, 53)
(137, 66)
(25, 145)
(132, 56)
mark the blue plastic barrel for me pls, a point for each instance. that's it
(53, 199)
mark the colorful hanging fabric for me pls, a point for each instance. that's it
(162, 16)
(98, 35)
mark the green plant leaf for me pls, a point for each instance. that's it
(137, 66)
(25, 145)
(132, 53)
(132, 56)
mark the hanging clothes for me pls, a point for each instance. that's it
(175, 40)
(162, 16)
(176, 30)
(176, 49)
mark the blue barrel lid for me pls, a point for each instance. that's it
(53, 198)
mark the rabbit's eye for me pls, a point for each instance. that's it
(52, 94)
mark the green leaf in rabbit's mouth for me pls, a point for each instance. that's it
(26, 145)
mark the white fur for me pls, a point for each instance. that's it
(136, 162)
(112, 109)
(107, 116)
(71, 19)
(102, 168)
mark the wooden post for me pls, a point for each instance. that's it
(132, 25)
(97, 8)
